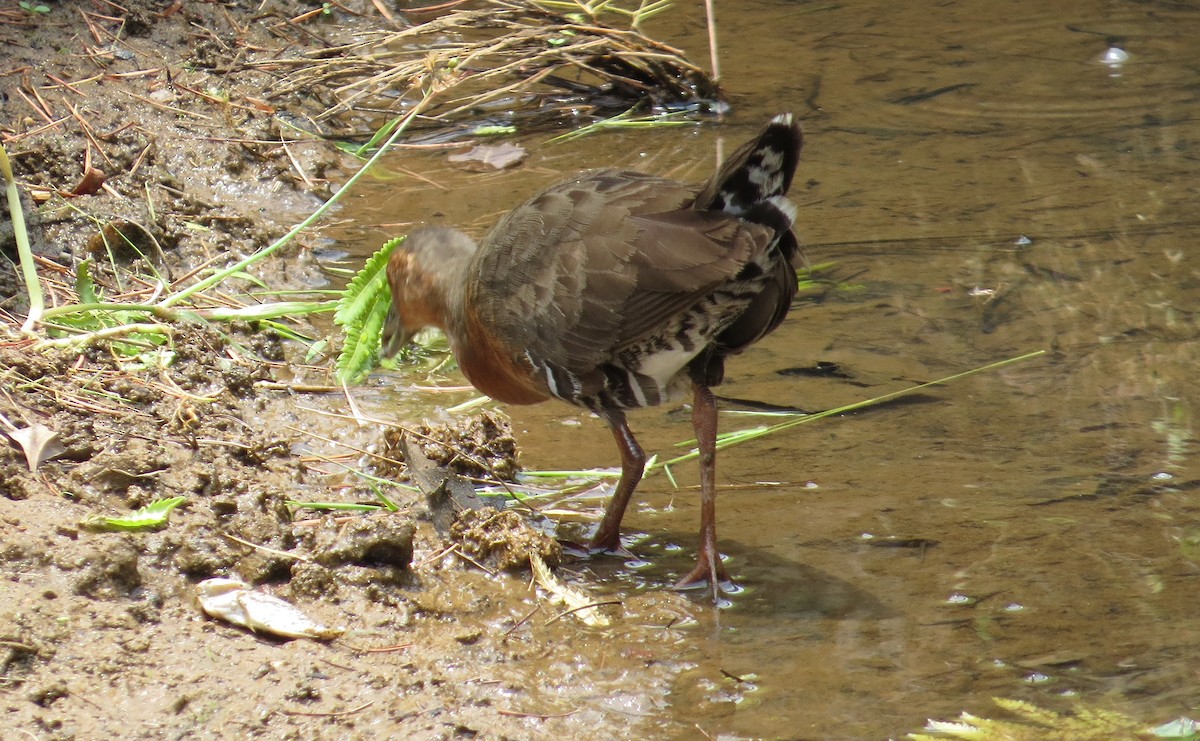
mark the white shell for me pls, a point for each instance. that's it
(234, 601)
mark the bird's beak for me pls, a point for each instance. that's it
(395, 334)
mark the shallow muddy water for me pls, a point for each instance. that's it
(990, 179)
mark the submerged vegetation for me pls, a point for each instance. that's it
(1039, 724)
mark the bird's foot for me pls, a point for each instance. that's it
(710, 574)
(595, 547)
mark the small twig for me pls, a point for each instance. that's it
(334, 714)
(266, 549)
(63, 83)
(171, 109)
(470, 560)
(436, 556)
(137, 163)
(380, 649)
(711, 15)
(299, 388)
(38, 130)
(521, 622)
(45, 114)
(563, 614)
(296, 166)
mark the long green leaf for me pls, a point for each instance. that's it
(740, 436)
(33, 286)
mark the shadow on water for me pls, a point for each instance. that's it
(770, 586)
(990, 179)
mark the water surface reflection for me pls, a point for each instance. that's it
(990, 182)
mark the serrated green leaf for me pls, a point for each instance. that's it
(362, 311)
(152, 515)
(361, 347)
(85, 287)
(355, 302)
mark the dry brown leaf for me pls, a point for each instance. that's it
(90, 184)
(39, 442)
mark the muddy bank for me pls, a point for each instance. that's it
(143, 142)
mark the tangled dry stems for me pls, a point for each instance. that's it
(509, 59)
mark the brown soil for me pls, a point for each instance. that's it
(100, 634)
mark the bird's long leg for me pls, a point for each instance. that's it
(708, 562)
(633, 463)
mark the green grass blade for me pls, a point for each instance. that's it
(334, 506)
(33, 286)
(735, 437)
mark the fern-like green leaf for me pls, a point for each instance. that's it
(362, 311)
(151, 516)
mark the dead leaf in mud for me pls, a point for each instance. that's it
(39, 442)
(578, 603)
(90, 184)
(446, 492)
(234, 601)
(499, 156)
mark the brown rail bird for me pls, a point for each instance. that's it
(615, 290)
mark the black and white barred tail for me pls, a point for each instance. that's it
(758, 171)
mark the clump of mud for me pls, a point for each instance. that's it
(502, 539)
(481, 446)
(359, 551)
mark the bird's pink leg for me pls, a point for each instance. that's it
(708, 561)
(633, 463)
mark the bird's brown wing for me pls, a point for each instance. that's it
(602, 261)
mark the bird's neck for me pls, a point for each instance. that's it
(447, 271)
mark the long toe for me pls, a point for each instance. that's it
(705, 575)
(601, 543)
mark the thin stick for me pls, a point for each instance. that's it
(266, 549)
(711, 14)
